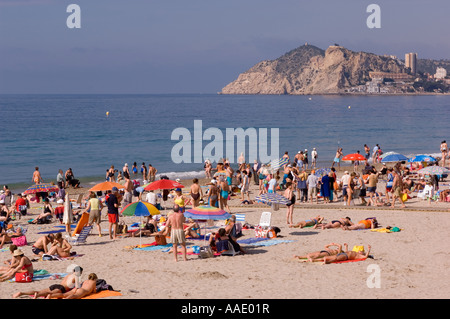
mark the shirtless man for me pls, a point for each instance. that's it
(151, 173)
(177, 236)
(60, 246)
(88, 287)
(397, 188)
(40, 246)
(337, 158)
(196, 193)
(37, 176)
(128, 195)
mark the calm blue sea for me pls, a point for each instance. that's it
(61, 131)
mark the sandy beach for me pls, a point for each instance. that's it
(411, 263)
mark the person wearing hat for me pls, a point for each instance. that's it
(113, 212)
(305, 158)
(213, 193)
(313, 158)
(23, 272)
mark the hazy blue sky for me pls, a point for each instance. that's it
(193, 46)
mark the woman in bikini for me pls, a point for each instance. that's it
(192, 230)
(196, 193)
(336, 223)
(309, 222)
(347, 255)
(88, 287)
(213, 193)
(368, 223)
(318, 255)
(444, 151)
(224, 192)
(289, 194)
(47, 213)
(24, 268)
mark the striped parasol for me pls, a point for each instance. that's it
(206, 213)
(434, 170)
(322, 171)
(272, 198)
(276, 164)
(139, 209)
(41, 188)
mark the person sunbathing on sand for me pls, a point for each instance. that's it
(309, 222)
(335, 223)
(347, 255)
(88, 287)
(367, 223)
(67, 284)
(318, 255)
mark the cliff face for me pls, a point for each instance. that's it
(310, 70)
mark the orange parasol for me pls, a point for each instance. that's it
(106, 186)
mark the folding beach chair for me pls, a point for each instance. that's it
(81, 238)
(230, 251)
(240, 218)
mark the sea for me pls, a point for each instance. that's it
(89, 133)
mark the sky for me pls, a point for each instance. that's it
(193, 46)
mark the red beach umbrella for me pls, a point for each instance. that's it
(163, 184)
(354, 157)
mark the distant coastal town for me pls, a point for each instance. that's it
(411, 81)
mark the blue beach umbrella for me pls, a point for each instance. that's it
(321, 171)
(422, 158)
(394, 158)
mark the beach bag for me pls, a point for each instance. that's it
(260, 232)
(160, 240)
(205, 252)
(19, 241)
(23, 277)
(404, 197)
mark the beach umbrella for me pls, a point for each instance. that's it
(106, 186)
(434, 170)
(354, 157)
(272, 198)
(422, 158)
(394, 158)
(276, 164)
(41, 188)
(387, 154)
(321, 171)
(162, 184)
(220, 173)
(206, 212)
(139, 209)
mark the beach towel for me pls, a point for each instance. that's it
(103, 294)
(153, 247)
(250, 241)
(385, 230)
(348, 261)
(271, 242)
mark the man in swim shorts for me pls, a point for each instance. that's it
(177, 235)
(40, 246)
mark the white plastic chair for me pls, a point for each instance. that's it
(265, 219)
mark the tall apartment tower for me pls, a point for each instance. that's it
(411, 62)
